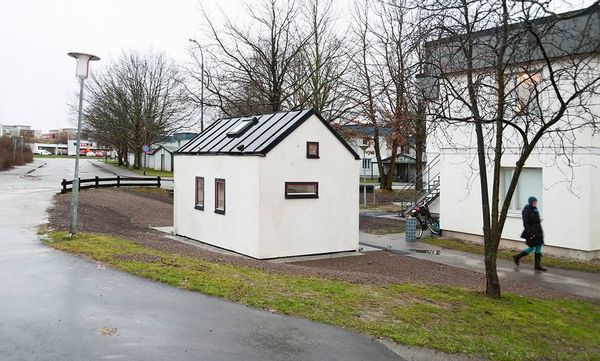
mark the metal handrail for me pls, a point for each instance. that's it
(413, 180)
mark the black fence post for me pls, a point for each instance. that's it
(97, 181)
(158, 178)
(64, 185)
(118, 181)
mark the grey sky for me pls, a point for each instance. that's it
(37, 77)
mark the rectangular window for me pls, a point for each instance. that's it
(526, 88)
(301, 190)
(312, 150)
(366, 163)
(199, 193)
(529, 184)
(220, 196)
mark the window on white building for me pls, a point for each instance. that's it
(526, 92)
(301, 190)
(366, 163)
(312, 150)
(220, 196)
(199, 193)
(529, 184)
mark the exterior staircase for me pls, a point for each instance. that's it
(409, 198)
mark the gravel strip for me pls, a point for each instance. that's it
(130, 213)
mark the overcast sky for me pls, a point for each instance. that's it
(37, 78)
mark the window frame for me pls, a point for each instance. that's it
(217, 209)
(312, 156)
(516, 204)
(196, 206)
(301, 196)
(367, 162)
(527, 81)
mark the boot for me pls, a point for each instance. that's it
(538, 262)
(517, 257)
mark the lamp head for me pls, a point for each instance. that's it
(83, 64)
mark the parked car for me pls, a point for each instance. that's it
(99, 153)
(43, 152)
(90, 154)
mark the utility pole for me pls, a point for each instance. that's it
(201, 84)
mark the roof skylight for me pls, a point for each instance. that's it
(242, 127)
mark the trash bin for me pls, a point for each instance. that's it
(410, 228)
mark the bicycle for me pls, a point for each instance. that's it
(425, 220)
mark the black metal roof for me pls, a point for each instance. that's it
(266, 132)
(562, 35)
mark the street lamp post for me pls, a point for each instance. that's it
(364, 149)
(81, 72)
(201, 84)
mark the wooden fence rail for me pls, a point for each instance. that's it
(117, 181)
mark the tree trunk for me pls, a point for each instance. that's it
(420, 145)
(492, 283)
(137, 161)
(388, 179)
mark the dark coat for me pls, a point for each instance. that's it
(532, 224)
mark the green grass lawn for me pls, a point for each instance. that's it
(443, 318)
(140, 171)
(548, 260)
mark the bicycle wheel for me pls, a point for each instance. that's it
(434, 226)
(419, 229)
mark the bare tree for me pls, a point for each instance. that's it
(134, 101)
(386, 63)
(251, 67)
(522, 79)
(325, 61)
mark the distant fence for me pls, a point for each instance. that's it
(117, 181)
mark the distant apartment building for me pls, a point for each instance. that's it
(61, 135)
(15, 130)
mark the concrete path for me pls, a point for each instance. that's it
(575, 282)
(56, 306)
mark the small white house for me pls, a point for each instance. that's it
(267, 186)
(161, 158)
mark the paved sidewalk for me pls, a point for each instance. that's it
(579, 283)
(166, 183)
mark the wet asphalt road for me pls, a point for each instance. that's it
(55, 306)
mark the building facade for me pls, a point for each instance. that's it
(269, 186)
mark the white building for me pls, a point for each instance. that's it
(568, 190)
(161, 158)
(362, 135)
(267, 186)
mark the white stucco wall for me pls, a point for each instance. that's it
(567, 208)
(570, 195)
(238, 228)
(154, 160)
(329, 223)
(259, 221)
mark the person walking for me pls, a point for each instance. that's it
(532, 233)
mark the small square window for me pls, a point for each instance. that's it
(301, 190)
(199, 193)
(312, 150)
(220, 196)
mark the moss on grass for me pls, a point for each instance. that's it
(550, 261)
(444, 318)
